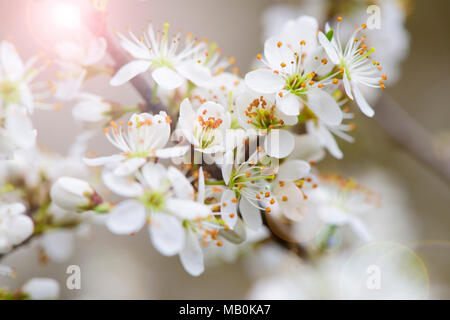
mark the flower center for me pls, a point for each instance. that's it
(9, 92)
(205, 131)
(153, 200)
(262, 116)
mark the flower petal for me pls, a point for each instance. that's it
(129, 71)
(325, 107)
(228, 208)
(250, 214)
(167, 78)
(121, 185)
(166, 233)
(154, 174)
(195, 72)
(13, 66)
(127, 217)
(288, 104)
(192, 255)
(59, 245)
(329, 48)
(182, 187)
(362, 103)
(172, 152)
(103, 160)
(292, 170)
(129, 166)
(279, 143)
(264, 81)
(187, 209)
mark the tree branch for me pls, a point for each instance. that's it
(411, 135)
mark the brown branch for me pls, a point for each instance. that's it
(411, 135)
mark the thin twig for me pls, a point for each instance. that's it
(411, 135)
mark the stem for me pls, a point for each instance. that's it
(411, 135)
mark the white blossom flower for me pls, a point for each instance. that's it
(339, 201)
(74, 194)
(15, 226)
(205, 128)
(293, 63)
(145, 136)
(158, 53)
(354, 64)
(167, 202)
(15, 78)
(77, 61)
(41, 289)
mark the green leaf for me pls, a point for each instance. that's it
(330, 34)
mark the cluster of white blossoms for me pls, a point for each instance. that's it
(231, 159)
(228, 157)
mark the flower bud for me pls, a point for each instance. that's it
(74, 194)
(41, 289)
(92, 112)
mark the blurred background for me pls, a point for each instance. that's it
(415, 202)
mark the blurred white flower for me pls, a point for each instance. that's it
(169, 68)
(41, 289)
(15, 226)
(340, 201)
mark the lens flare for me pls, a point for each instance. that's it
(66, 15)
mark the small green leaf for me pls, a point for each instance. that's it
(329, 34)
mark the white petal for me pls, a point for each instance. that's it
(20, 130)
(129, 166)
(103, 160)
(166, 233)
(127, 217)
(227, 207)
(186, 209)
(201, 186)
(289, 104)
(329, 48)
(20, 228)
(121, 185)
(181, 185)
(26, 97)
(172, 152)
(129, 71)
(264, 81)
(11, 62)
(279, 143)
(325, 137)
(250, 214)
(192, 256)
(347, 86)
(308, 148)
(154, 174)
(293, 205)
(325, 107)
(167, 78)
(186, 121)
(362, 103)
(195, 72)
(95, 51)
(293, 170)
